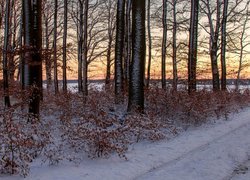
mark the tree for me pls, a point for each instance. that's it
(65, 31)
(193, 39)
(5, 55)
(119, 45)
(174, 56)
(223, 46)
(127, 57)
(244, 42)
(111, 31)
(80, 43)
(214, 37)
(32, 53)
(164, 44)
(149, 43)
(85, 49)
(48, 29)
(137, 69)
(55, 47)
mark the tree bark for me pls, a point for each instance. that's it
(32, 55)
(175, 75)
(223, 47)
(65, 31)
(137, 70)
(149, 43)
(164, 45)
(48, 64)
(119, 51)
(127, 59)
(85, 50)
(80, 45)
(193, 39)
(55, 48)
(111, 28)
(214, 49)
(5, 55)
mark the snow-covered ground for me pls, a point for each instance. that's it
(215, 151)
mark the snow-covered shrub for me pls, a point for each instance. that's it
(20, 141)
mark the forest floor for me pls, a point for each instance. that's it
(218, 150)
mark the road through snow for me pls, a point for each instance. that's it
(210, 152)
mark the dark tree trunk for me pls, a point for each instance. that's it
(223, 47)
(119, 50)
(164, 45)
(214, 48)
(193, 38)
(55, 48)
(137, 69)
(175, 75)
(111, 29)
(21, 59)
(149, 44)
(32, 56)
(12, 41)
(65, 32)
(48, 64)
(127, 58)
(80, 45)
(5, 55)
(85, 50)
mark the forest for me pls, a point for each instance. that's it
(163, 66)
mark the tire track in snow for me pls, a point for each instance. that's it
(242, 128)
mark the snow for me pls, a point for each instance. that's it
(215, 151)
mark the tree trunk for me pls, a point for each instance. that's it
(193, 39)
(175, 75)
(242, 46)
(223, 47)
(5, 55)
(111, 28)
(137, 70)
(119, 51)
(80, 46)
(47, 54)
(55, 48)
(214, 49)
(164, 45)
(110, 41)
(149, 44)
(65, 31)
(12, 41)
(127, 60)
(32, 56)
(85, 50)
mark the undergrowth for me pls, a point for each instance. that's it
(72, 127)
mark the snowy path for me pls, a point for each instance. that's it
(214, 160)
(211, 152)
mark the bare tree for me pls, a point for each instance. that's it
(174, 56)
(193, 39)
(55, 47)
(111, 31)
(214, 30)
(5, 55)
(137, 70)
(119, 45)
(65, 31)
(149, 42)
(127, 57)
(223, 46)
(32, 55)
(164, 44)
